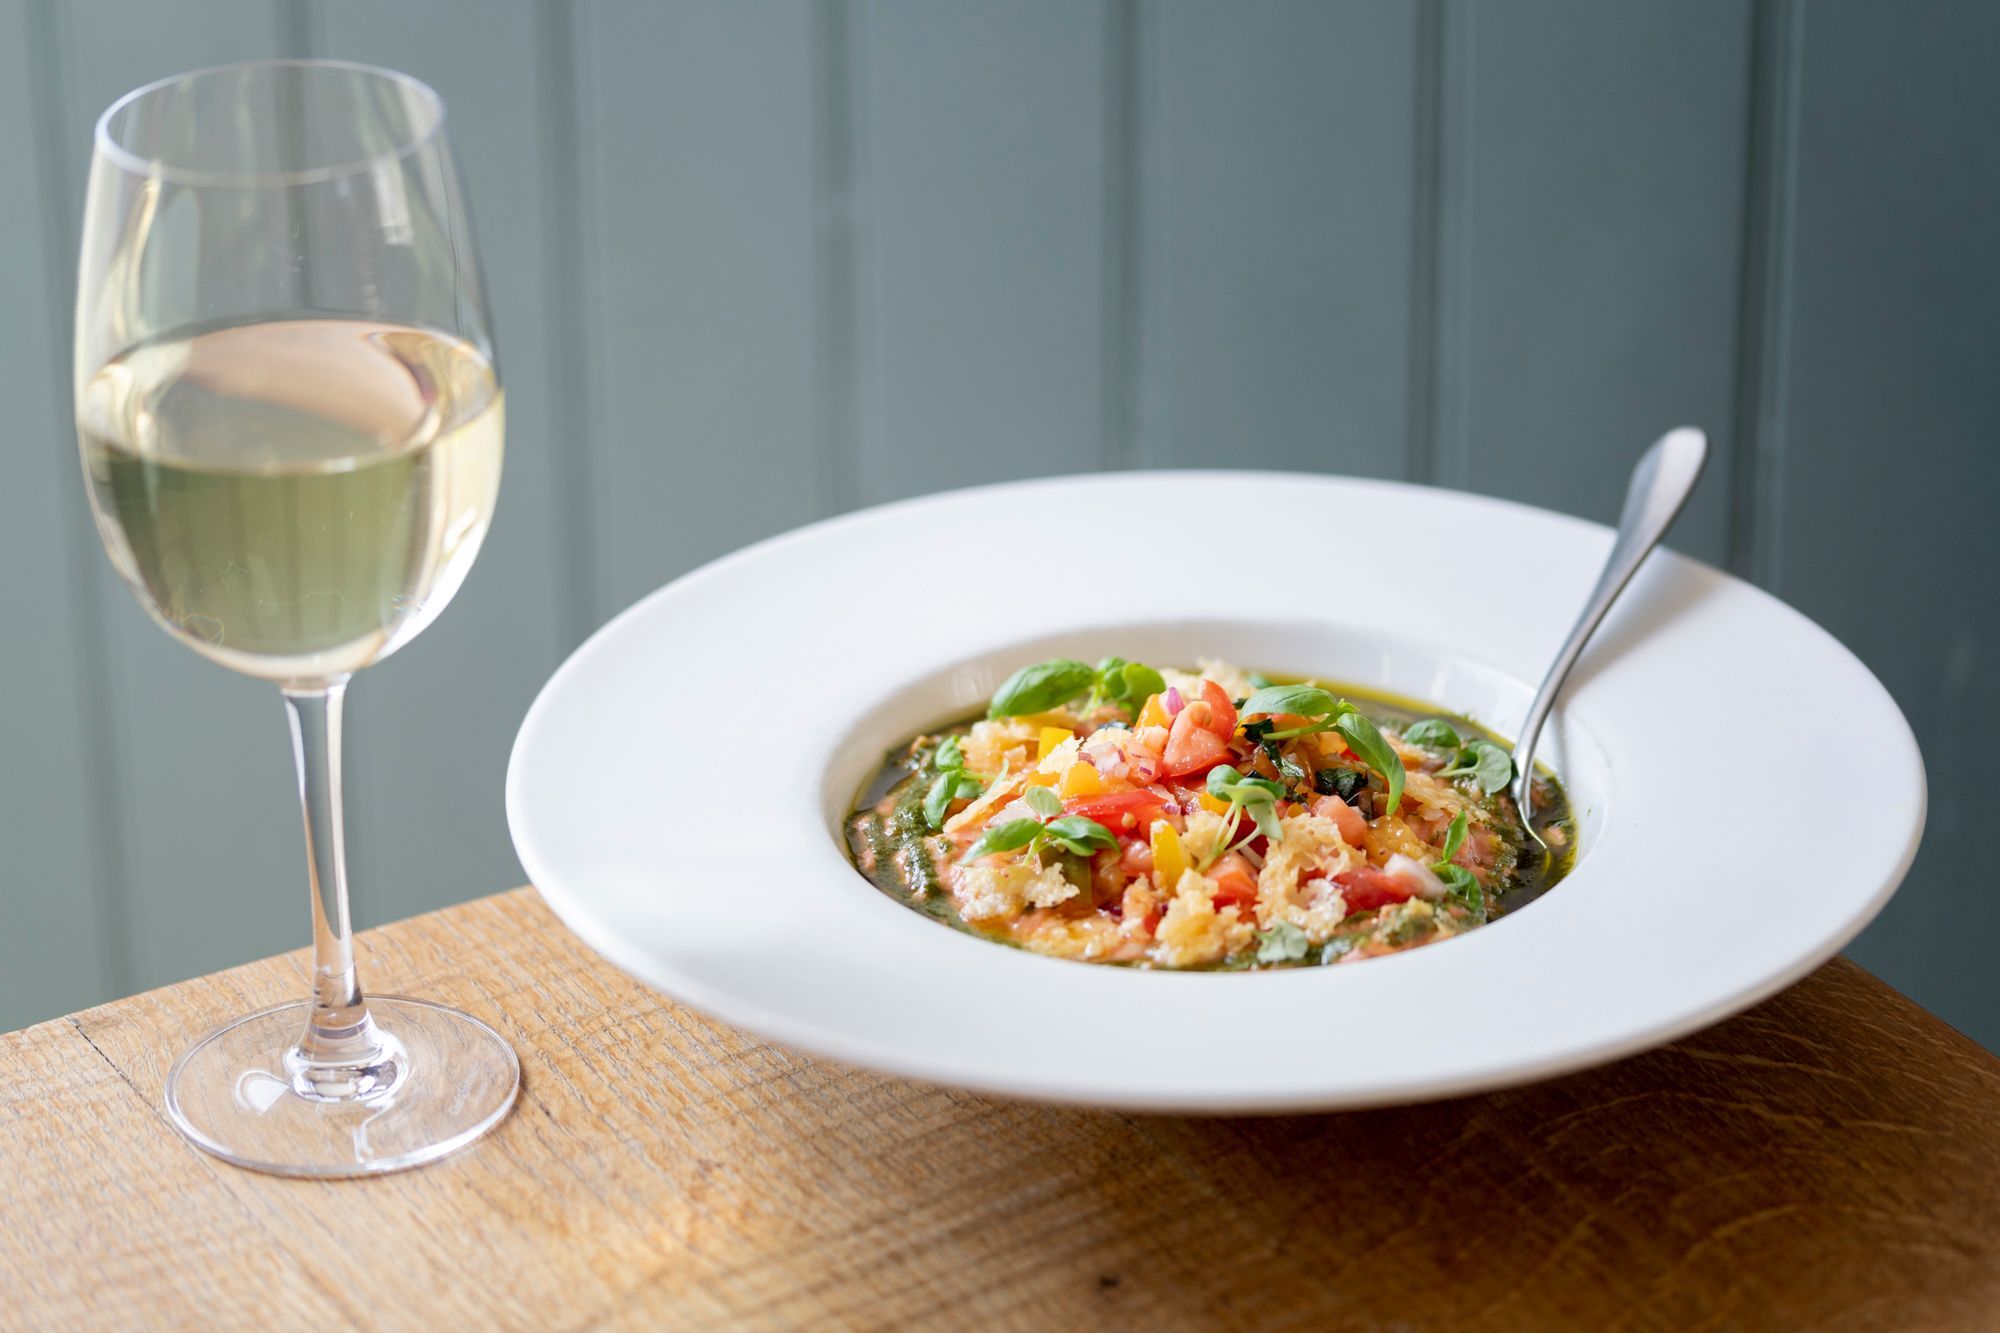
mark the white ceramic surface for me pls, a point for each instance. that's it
(676, 791)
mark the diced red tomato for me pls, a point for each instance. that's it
(1127, 813)
(1221, 712)
(1353, 828)
(1366, 888)
(1192, 747)
(1235, 882)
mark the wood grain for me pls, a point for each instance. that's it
(1830, 1159)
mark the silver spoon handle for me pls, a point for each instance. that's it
(1660, 485)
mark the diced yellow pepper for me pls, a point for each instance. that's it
(1153, 713)
(1211, 804)
(1170, 859)
(1040, 778)
(1081, 780)
(1051, 738)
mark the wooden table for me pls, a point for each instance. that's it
(1829, 1159)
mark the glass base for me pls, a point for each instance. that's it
(442, 1079)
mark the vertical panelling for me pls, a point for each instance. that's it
(57, 913)
(982, 158)
(1883, 445)
(1280, 233)
(697, 177)
(1592, 200)
(208, 826)
(430, 728)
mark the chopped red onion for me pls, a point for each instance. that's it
(1174, 701)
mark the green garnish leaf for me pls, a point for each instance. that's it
(1253, 796)
(1081, 835)
(1435, 734)
(1007, 837)
(938, 799)
(1043, 801)
(1282, 943)
(1362, 737)
(1460, 884)
(1260, 681)
(950, 786)
(1265, 816)
(1454, 837)
(948, 755)
(1491, 767)
(1141, 683)
(1305, 700)
(1041, 687)
(1288, 770)
(1341, 782)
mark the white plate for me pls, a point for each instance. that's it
(677, 790)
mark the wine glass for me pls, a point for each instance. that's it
(290, 415)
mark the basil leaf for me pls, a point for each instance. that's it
(1015, 833)
(1434, 734)
(1282, 943)
(938, 799)
(1255, 732)
(1076, 833)
(1286, 768)
(1141, 683)
(1043, 801)
(1260, 681)
(1491, 767)
(1220, 779)
(1305, 700)
(1341, 782)
(1038, 688)
(1362, 737)
(1454, 837)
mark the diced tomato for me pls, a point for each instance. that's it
(1192, 747)
(1126, 813)
(1366, 888)
(1221, 712)
(1353, 828)
(1235, 882)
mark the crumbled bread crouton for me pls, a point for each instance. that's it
(1193, 933)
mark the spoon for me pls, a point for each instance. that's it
(1660, 485)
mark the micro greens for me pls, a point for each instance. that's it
(1075, 834)
(1043, 801)
(1330, 714)
(1458, 881)
(1491, 767)
(952, 782)
(1435, 734)
(1282, 943)
(1252, 796)
(1126, 684)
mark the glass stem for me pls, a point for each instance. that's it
(342, 1054)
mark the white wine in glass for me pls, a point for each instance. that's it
(291, 422)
